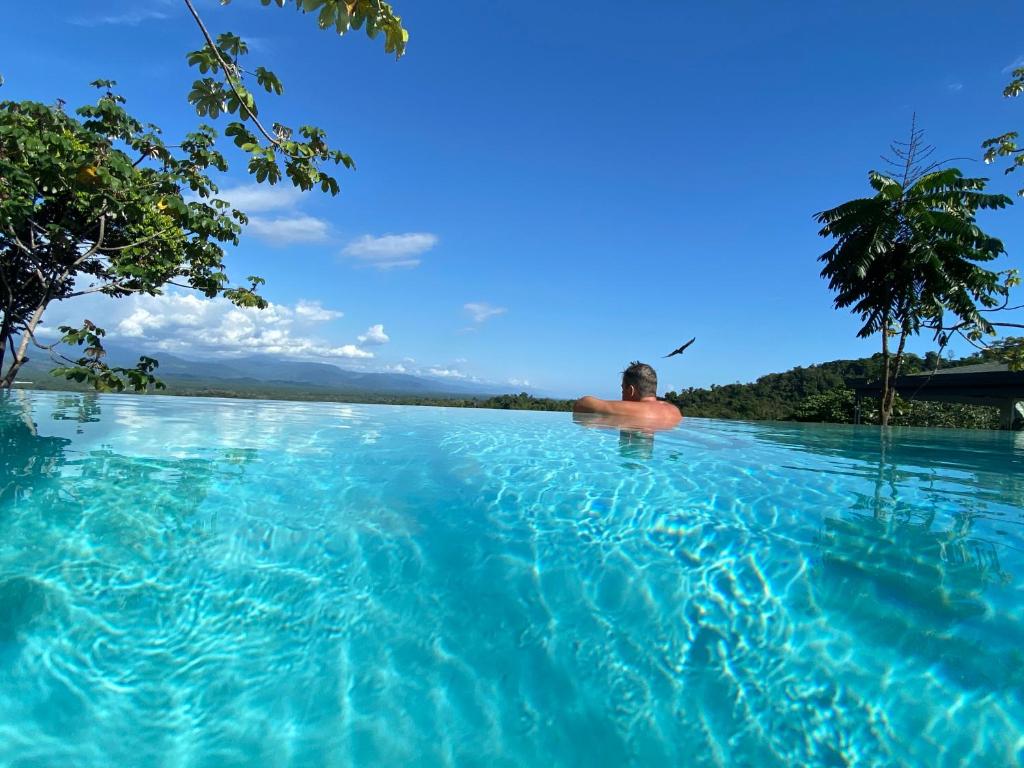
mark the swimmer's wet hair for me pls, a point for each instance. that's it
(641, 376)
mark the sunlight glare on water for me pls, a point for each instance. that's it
(193, 582)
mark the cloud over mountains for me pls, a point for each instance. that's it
(183, 322)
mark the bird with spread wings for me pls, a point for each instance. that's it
(682, 348)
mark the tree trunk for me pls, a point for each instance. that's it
(5, 333)
(879, 507)
(883, 414)
(12, 371)
(893, 373)
(19, 354)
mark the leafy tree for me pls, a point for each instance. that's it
(1005, 145)
(96, 201)
(1009, 350)
(82, 215)
(835, 407)
(908, 257)
(819, 393)
(524, 402)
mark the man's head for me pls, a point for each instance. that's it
(639, 381)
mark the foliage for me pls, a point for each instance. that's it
(229, 88)
(525, 402)
(91, 369)
(776, 395)
(835, 407)
(910, 255)
(1009, 350)
(926, 413)
(819, 393)
(1005, 145)
(97, 202)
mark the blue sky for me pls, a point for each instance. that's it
(545, 195)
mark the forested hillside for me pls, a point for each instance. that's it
(819, 393)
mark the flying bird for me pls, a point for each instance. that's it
(682, 348)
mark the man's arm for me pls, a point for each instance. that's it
(590, 404)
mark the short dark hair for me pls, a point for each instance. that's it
(643, 377)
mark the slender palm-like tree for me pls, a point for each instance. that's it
(908, 257)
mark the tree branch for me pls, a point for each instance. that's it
(45, 347)
(95, 246)
(976, 345)
(146, 239)
(1003, 308)
(101, 288)
(227, 69)
(17, 241)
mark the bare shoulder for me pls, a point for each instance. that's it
(669, 407)
(670, 411)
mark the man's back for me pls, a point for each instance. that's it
(649, 412)
(639, 405)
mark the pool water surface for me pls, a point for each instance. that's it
(202, 582)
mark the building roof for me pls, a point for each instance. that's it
(982, 384)
(971, 369)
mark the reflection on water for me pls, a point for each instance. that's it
(26, 459)
(84, 523)
(942, 573)
(909, 558)
(79, 408)
(992, 460)
(914, 562)
(636, 444)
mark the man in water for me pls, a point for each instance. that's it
(639, 405)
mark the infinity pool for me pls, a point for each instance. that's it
(188, 582)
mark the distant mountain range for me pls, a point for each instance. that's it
(257, 373)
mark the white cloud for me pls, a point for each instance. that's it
(259, 198)
(955, 87)
(129, 19)
(350, 351)
(185, 323)
(374, 335)
(314, 312)
(257, 44)
(1015, 64)
(396, 368)
(519, 382)
(390, 251)
(288, 229)
(290, 226)
(447, 373)
(481, 311)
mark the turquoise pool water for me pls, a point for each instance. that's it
(217, 583)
